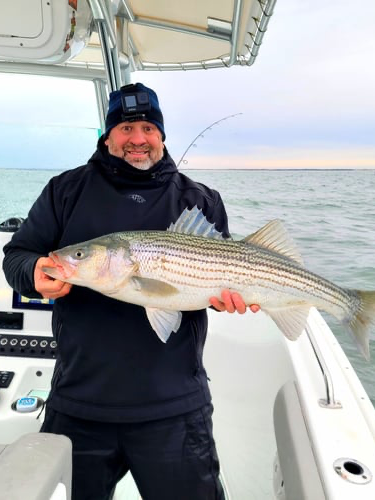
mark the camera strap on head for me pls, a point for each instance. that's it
(127, 88)
(133, 118)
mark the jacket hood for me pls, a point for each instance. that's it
(121, 171)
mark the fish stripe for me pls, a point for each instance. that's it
(196, 261)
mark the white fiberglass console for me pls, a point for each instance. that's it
(27, 357)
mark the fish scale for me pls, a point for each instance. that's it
(239, 266)
(182, 268)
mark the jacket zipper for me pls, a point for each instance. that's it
(195, 342)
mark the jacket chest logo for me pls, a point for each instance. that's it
(136, 197)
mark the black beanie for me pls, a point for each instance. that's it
(115, 110)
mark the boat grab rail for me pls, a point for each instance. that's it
(330, 401)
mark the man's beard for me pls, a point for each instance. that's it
(141, 165)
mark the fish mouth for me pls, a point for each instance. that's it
(62, 269)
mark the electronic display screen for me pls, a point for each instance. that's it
(21, 302)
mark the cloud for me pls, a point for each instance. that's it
(49, 147)
(266, 157)
(45, 100)
(307, 100)
(312, 86)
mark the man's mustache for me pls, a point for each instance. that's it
(137, 149)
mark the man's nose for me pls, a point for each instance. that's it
(137, 137)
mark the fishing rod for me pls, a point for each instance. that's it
(200, 135)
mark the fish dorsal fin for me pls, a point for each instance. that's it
(194, 222)
(275, 237)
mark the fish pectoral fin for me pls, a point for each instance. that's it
(275, 237)
(290, 320)
(149, 286)
(164, 322)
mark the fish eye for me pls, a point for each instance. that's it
(79, 254)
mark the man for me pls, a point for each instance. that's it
(126, 400)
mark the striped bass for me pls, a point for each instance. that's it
(180, 269)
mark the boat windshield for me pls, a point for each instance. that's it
(58, 130)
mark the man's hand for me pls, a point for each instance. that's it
(232, 302)
(48, 287)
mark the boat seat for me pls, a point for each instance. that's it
(37, 466)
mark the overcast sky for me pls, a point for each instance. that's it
(307, 102)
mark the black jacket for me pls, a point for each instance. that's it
(111, 366)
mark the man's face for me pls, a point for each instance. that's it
(138, 143)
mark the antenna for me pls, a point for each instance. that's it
(200, 135)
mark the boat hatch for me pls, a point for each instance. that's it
(47, 32)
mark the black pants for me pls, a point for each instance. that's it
(170, 459)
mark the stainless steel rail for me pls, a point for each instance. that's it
(330, 401)
(255, 38)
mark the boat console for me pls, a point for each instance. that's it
(27, 355)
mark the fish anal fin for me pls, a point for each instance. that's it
(275, 237)
(163, 322)
(291, 321)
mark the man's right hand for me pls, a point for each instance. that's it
(232, 302)
(48, 287)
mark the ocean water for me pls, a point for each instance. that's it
(330, 214)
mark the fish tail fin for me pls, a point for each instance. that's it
(363, 321)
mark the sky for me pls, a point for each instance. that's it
(307, 102)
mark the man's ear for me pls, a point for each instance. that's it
(106, 142)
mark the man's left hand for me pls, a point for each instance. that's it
(232, 302)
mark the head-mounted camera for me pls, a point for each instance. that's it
(135, 104)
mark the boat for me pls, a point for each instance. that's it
(292, 420)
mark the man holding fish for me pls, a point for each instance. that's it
(127, 400)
